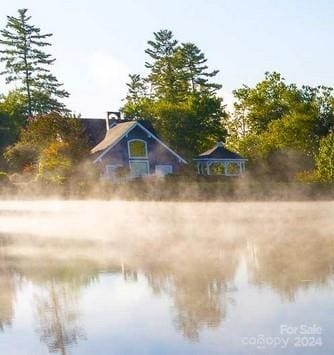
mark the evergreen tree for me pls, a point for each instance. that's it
(137, 88)
(177, 96)
(165, 69)
(194, 68)
(27, 63)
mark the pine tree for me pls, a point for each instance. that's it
(27, 64)
(165, 70)
(195, 69)
(178, 96)
(137, 88)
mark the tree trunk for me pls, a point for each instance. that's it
(27, 76)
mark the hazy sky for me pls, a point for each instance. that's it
(97, 43)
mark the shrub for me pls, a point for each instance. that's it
(4, 178)
(21, 155)
(324, 160)
(55, 164)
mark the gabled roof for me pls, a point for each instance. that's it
(117, 132)
(113, 135)
(96, 128)
(219, 152)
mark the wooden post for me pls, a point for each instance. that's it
(207, 168)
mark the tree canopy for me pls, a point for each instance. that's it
(26, 63)
(178, 95)
(275, 118)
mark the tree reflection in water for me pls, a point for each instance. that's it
(7, 288)
(196, 273)
(192, 264)
(58, 317)
(288, 264)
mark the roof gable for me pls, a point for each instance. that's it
(118, 132)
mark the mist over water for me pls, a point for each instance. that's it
(82, 277)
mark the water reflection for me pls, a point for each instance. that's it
(289, 264)
(198, 272)
(197, 277)
(58, 317)
(7, 289)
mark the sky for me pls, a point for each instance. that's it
(98, 43)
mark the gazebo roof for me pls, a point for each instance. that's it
(219, 152)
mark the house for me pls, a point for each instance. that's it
(132, 145)
(220, 161)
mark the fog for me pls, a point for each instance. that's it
(200, 254)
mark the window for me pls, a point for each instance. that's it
(163, 170)
(138, 168)
(137, 149)
(111, 170)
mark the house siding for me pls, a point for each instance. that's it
(157, 153)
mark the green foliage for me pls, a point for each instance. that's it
(12, 117)
(273, 98)
(279, 126)
(55, 162)
(4, 179)
(21, 155)
(324, 160)
(177, 96)
(43, 131)
(28, 65)
(270, 100)
(192, 126)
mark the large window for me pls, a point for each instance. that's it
(139, 168)
(137, 149)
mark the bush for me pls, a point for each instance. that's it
(55, 165)
(21, 155)
(324, 160)
(4, 179)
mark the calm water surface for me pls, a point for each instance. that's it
(166, 278)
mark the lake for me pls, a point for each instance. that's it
(94, 277)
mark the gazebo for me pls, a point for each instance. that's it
(220, 161)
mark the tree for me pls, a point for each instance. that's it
(165, 75)
(280, 125)
(324, 160)
(269, 100)
(27, 63)
(21, 155)
(194, 67)
(12, 119)
(55, 163)
(43, 132)
(177, 95)
(190, 127)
